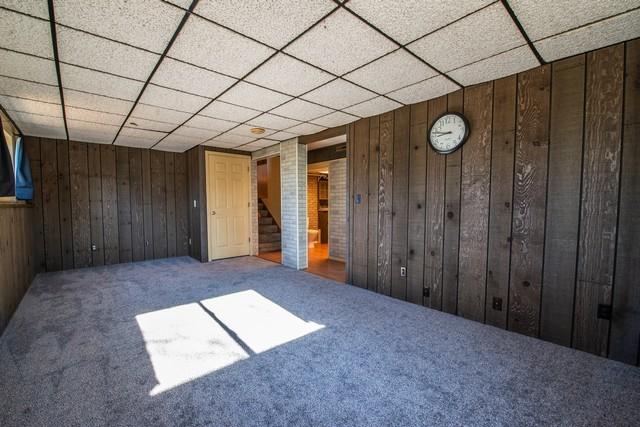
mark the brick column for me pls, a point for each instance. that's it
(338, 209)
(293, 182)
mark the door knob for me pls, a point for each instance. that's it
(213, 212)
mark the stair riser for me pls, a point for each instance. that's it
(271, 237)
(265, 220)
(269, 247)
(265, 229)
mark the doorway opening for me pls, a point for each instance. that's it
(269, 209)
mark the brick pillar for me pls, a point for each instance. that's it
(338, 209)
(293, 182)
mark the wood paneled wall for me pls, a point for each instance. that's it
(533, 225)
(101, 204)
(16, 256)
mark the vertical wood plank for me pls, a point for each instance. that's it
(401, 141)
(530, 182)
(563, 199)
(146, 202)
(109, 204)
(500, 212)
(50, 204)
(64, 199)
(474, 203)
(137, 205)
(434, 213)
(159, 204)
(453, 167)
(372, 233)
(80, 204)
(124, 204)
(625, 322)
(95, 203)
(182, 205)
(169, 159)
(361, 202)
(385, 203)
(600, 184)
(416, 206)
(194, 211)
(32, 147)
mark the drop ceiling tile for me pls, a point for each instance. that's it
(29, 90)
(300, 109)
(194, 133)
(245, 130)
(544, 18)
(174, 146)
(75, 47)
(219, 144)
(80, 114)
(211, 124)
(372, 107)
(337, 118)
(36, 125)
(230, 54)
(391, 72)
(228, 138)
(91, 132)
(306, 129)
(13, 64)
(250, 148)
(175, 139)
(35, 8)
(282, 136)
(255, 97)
(96, 102)
(289, 75)
(169, 98)
(285, 19)
(148, 24)
(461, 43)
(594, 36)
(273, 122)
(189, 78)
(158, 114)
(428, 89)
(415, 18)
(140, 123)
(339, 94)
(29, 106)
(340, 43)
(262, 143)
(225, 111)
(25, 34)
(504, 64)
(99, 83)
(145, 138)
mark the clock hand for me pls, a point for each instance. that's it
(443, 133)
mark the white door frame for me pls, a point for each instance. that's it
(210, 153)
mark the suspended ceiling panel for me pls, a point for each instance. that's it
(157, 75)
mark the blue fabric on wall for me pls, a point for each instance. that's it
(24, 181)
(7, 181)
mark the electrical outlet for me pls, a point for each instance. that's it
(497, 303)
(94, 248)
(189, 241)
(403, 271)
(195, 203)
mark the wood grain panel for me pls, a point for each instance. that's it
(32, 147)
(182, 205)
(600, 184)
(372, 237)
(50, 204)
(434, 215)
(474, 202)
(64, 198)
(124, 204)
(170, 188)
(530, 181)
(147, 213)
(416, 204)
(109, 204)
(401, 145)
(385, 203)
(625, 323)
(159, 204)
(563, 199)
(360, 212)
(137, 205)
(80, 205)
(95, 203)
(500, 213)
(451, 237)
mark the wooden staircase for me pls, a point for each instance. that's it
(269, 232)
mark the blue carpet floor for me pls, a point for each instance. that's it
(245, 342)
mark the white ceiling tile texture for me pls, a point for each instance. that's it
(108, 50)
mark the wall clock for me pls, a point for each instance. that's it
(448, 133)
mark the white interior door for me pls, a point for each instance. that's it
(228, 205)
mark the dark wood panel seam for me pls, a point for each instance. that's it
(486, 263)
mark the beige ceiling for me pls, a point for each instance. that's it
(171, 75)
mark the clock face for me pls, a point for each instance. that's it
(448, 133)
